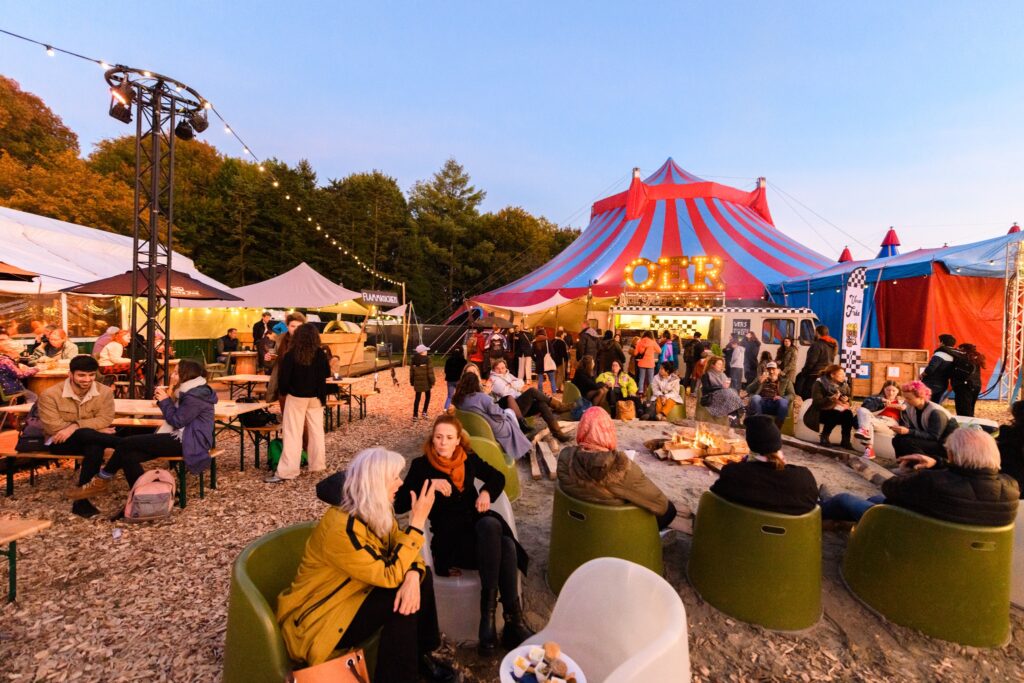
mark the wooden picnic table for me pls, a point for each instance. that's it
(224, 412)
(247, 381)
(11, 530)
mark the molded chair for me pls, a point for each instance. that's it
(760, 567)
(1017, 574)
(622, 623)
(701, 414)
(788, 425)
(678, 412)
(475, 424)
(458, 597)
(254, 651)
(491, 453)
(570, 394)
(583, 531)
(949, 581)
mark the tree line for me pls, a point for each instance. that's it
(237, 228)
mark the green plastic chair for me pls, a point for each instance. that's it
(583, 531)
(491, 453)
(701, 414)
(678, 412)
(788, 427)
(475, 424)
(949, 581)
(570, 394)
(759, 567)
(254, 651)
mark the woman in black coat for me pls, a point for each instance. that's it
(1011, 445)
(466, 533)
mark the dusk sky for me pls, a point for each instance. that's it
(871, 114)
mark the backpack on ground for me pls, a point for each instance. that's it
(152, 496)
(274, 450)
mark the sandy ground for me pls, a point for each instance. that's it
(151, 604)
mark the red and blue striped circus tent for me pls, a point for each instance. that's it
(671, 213)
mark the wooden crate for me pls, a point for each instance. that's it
(901, 365)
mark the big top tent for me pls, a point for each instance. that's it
(672, 213)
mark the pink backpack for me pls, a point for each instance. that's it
(152, 497)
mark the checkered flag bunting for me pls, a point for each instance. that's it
(850, 360)
(858, 277)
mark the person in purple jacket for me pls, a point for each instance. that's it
(187, 432)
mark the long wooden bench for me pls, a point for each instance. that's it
(258, 435)
(178, 464)
(11, 531)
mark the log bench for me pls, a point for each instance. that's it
(11, 531)
(177, 463)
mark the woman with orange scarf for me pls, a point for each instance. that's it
(466, 533)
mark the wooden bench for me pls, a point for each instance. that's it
(360, 397)
(12, 530)
(178, 464)
(258, 434)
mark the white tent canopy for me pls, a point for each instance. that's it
(65, 254)
(300, 287)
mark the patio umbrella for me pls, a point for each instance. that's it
(182, 286)
(9, 272)
(490, 321)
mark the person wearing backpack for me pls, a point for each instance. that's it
(187, 432)
(966, 378)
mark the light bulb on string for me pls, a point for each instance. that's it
(104, 65)
(276, 183)
(49, 51)
(147, 74)
(227, 129)
(262, 169)
(287, 196)
(245, 150)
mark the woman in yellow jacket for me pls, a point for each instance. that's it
(360, 573)
(621, 387)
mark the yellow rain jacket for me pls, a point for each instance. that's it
(342, 563)
(626, 383)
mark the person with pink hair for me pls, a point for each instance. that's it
(924, 426)
(595, 471)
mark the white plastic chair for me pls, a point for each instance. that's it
(621, 623)
(458, 598)
(1017, 572)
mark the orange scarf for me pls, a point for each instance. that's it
(454, 467)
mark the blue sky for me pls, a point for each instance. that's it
(872, 114)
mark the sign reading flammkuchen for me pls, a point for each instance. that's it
(380, 298)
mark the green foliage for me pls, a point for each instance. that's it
(239, 229)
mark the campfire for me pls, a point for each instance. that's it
(706, 444)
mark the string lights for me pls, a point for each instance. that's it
(121, 110)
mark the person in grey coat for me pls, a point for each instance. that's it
(469, 397)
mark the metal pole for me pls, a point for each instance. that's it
(405, 327)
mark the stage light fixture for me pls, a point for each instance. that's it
(184, 131)
(199, 120)
(121, 97)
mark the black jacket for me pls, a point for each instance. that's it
(584, 382)
(306, 381)
(756, 484)
(1011, 452)
(453, 367)
(939, 370)
(559, 351)
(750, 358)
(522, 344)
(822, 352)
(608, 350)
(453, 518)
(586, 346)
(259, 330)
(955, 494)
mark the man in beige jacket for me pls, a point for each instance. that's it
(76, 417)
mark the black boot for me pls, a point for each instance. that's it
(84, 508)
(436, 671)
(516, 630)
(488, 632)
(825, 434)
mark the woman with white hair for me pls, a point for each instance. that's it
(361, 573)
(968, 490)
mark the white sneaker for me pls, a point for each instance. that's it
(863, 434)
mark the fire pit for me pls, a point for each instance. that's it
(706, 445)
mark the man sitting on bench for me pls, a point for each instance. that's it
(76, 417)
(187, 432)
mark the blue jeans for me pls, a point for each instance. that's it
(776, 407)
(847, 507)
(451, 392)
(736, 375)
(551, 378)
(646, 375)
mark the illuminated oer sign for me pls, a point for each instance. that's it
(672, 274)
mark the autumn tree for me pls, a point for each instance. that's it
(29, 131)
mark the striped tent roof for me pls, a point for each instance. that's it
(671, 213)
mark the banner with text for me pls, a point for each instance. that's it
(852, 313)
(377, 298)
